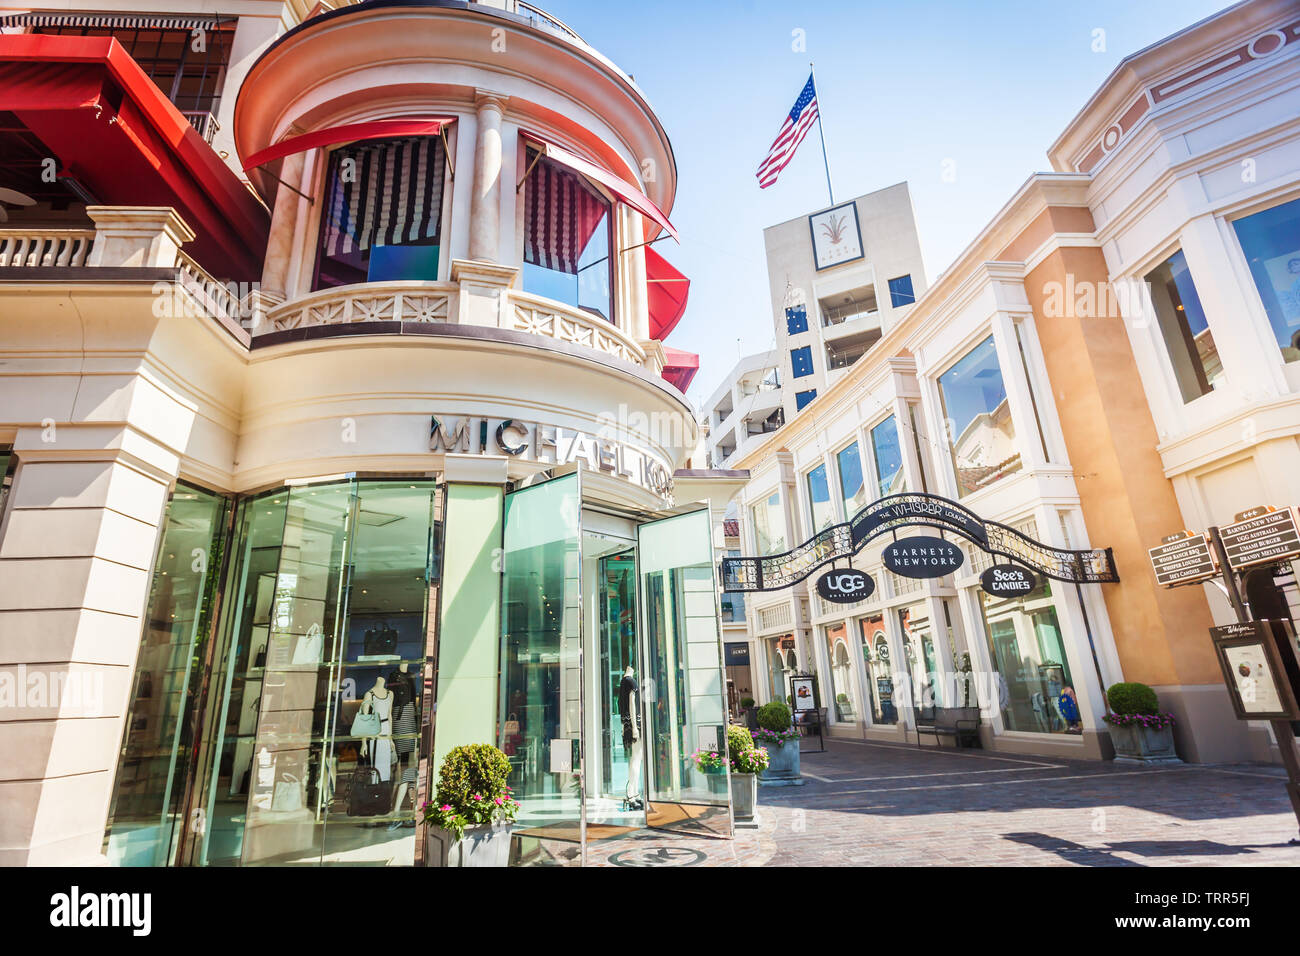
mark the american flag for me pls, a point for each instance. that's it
(793, 130)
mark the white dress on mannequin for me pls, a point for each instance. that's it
(381, 747)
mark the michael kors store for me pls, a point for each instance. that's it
(455, 612)
(311, 650)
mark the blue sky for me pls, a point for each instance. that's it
(903, 87)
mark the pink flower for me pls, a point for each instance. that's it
(497, 801)
(445, 807)
(478, 796)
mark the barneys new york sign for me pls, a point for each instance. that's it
(549, 444)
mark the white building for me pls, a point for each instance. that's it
(839, 278)
(746, 406)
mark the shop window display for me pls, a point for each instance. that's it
(922, 660)
(843, 694)
(310, 749)
(880, 670)
(1031, 671)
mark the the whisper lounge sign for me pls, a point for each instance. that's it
(549, 444)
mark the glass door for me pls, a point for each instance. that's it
(540, 704)
(684, 688)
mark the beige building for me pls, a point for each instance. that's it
(1111, 360)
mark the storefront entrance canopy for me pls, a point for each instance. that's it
(667, 290)
(119, 141)
(894, 512)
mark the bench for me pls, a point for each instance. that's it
(959, 723)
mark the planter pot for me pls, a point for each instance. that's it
(751, 718)
(717, 780)
(1143, 745)
(783, 765)
(483, 845)
(744, 796)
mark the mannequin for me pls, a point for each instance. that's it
(379, 700)
(404, 728)
(629, 706)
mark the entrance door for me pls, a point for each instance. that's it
(683, 686)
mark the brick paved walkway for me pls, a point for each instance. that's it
(887, 804)
(892, 805)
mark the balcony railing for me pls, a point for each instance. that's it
(204, 122)
(404, 301)
(414, 301)
(45, 248)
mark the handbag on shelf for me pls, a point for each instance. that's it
(288, 794)
(310, 646)
(369, 796)
(366, 724)
(379, 643)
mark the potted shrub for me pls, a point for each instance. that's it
(713, 764)
(781, 739)
(747, 761)
(1140, 731)
(468, 822)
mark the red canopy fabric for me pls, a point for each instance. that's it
(624, 191)
(111, 128)
(680, 368)
(667, 290)
(348, 133)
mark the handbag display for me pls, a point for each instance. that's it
(380, 643)
(366, 724)
(288, 794)
(310, 646)
(368, 795)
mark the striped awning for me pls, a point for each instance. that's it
(114, 21)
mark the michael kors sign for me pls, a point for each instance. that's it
(548, 444)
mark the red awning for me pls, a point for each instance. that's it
(348, 133)
(667, 290)
(113, 130)
(624, 191)
(680, 368)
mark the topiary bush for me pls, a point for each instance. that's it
(1130, 697)
(472, 789)
(739, 740)
(774, 717)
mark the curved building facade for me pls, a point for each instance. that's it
(420, 466)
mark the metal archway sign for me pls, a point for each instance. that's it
(888, 514)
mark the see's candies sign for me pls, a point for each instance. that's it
(1007, 580)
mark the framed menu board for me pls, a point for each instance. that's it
(1255, 672)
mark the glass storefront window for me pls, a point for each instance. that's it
(880, 670)
(841, 661)
(7, 462)
(382, 212)
(325, 619)
(1188, 339)
(566, 238)
(733, 602)
(981, 434)
(1031, 673)
(150, 785)
(890, 477)
(819, 499)
(922, 661)
(852, 486)
(769, 525)
(1271, 242)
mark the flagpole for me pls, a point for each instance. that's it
(822, 133)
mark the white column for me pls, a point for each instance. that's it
(485, 201)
